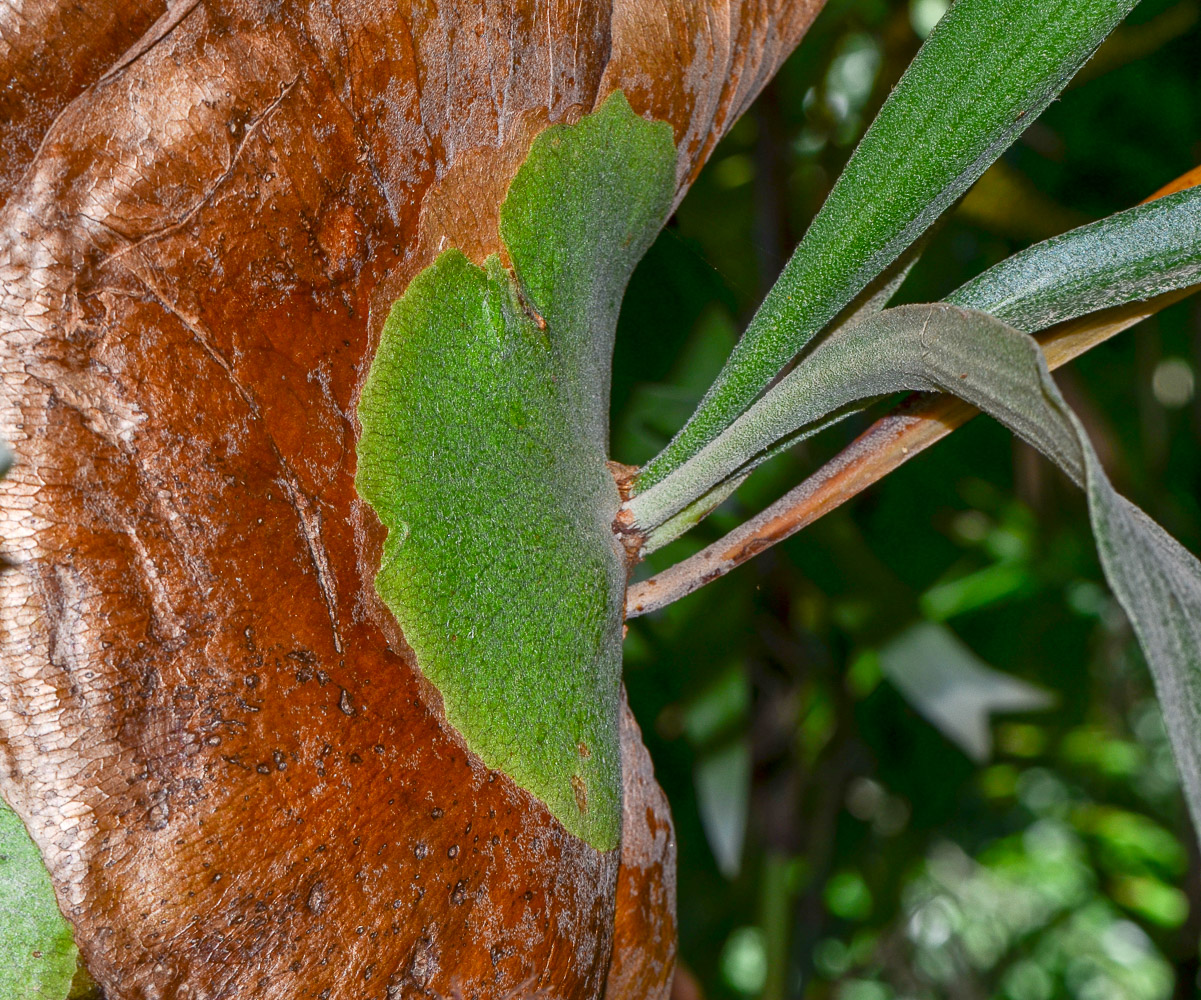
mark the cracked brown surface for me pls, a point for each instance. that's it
(218, 738)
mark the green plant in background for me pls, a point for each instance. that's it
(853, 808)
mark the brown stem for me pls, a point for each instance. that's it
(918, 422)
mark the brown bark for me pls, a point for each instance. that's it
(644, 940)
(239, 780)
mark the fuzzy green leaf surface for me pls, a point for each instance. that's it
(1127, 257)
(483, 450)
(37, 950)
(663, 529)
(1002, 371)
(986, 71)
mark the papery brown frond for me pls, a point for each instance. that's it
(217, 736)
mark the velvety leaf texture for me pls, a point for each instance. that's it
(37, 953)
(483, 452)
(1002, 371)
(982, 76)
(1127, 257)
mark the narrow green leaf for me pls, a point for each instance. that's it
(483, 450)
(870, 301)
(37, 952)
(692, 515)
(996, 582)
(826, 385)
(1002, 371)
(983, 75)
(1128, 257)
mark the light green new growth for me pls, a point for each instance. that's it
(983, 75)
(1128, 257)
(37, 952)
(484, 431)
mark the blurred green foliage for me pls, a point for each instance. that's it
(833, 842)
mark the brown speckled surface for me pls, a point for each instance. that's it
(240, 782)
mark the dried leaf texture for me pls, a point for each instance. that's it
(50, 51)
(216, 734)
(699, 65)
(644, 940)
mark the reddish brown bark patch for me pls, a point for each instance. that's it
(240, 782)
(644, 942)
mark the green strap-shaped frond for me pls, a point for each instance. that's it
(1128, 257)
(983, 75)
(1001, 370)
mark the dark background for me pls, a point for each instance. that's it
(833, 842)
